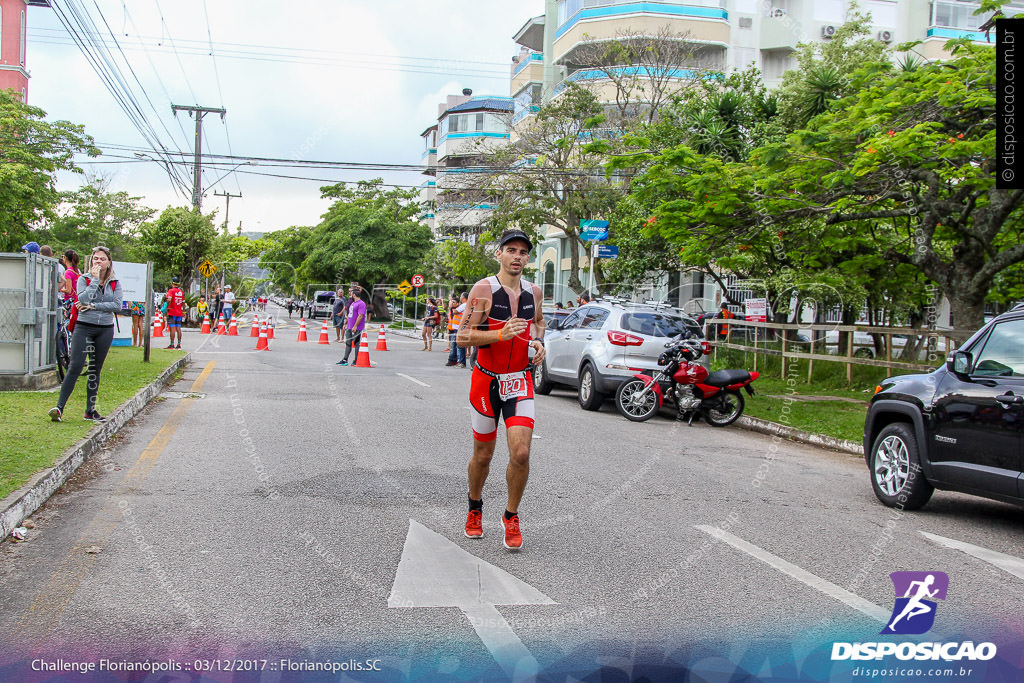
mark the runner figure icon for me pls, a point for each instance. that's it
(915, 606)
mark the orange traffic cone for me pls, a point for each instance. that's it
(324, 337)
(158, 326)
(302, 330)
(221, 329)
(261, 343)
(255, 331)
(206, 324)
(382, 340)
(363, 359)
(270, 328)
(233, 329)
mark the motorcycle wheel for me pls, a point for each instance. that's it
(628, 405)
(724, 409)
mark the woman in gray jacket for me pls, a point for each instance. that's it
(99, 298)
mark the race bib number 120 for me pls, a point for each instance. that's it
(512, 386)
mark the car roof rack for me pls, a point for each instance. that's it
(1018, 307)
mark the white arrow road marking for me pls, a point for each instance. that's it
(802, 575)
(413, 379)
(1008, 563)
(434, 572)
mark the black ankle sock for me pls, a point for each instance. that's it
(510, 515)
(476, 504)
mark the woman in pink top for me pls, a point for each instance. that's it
(70, 261)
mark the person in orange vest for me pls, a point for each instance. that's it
(457, 355)
(723, 330)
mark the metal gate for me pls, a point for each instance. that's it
(29, 291)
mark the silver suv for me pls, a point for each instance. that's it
(604, 343)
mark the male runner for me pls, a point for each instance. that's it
(497, 320)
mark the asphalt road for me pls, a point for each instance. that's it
(267, 508)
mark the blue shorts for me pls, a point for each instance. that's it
(174, 320)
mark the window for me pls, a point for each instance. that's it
(593, 318)
(479, 121)
(882, 13)
(658, 324)
(22, 37)
(1003, 352)
(549, 280)
(572, 321)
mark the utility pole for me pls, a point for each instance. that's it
(198, 113)
(227, 206)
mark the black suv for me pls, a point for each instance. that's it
(959, 428)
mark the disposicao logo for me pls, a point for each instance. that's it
(913, 613)
(916, 592)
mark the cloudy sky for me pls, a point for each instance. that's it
(318, 80)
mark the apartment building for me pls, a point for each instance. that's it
(467, 127)
(724, 34)
(14, 74)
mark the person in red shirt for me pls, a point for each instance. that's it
(175, 312)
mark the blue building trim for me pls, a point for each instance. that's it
(535, 57)
(641, 8)
(478, 134)
(977, 36)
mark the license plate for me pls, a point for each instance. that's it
(512, 385)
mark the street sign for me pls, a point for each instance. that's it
(607, 251)
(756, 310)
(207, 269)
(593, 230)
(417, 281)
(405, 287)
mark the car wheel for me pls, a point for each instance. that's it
(588, 395)
(863, 352)
(896, 474)
(541, 384)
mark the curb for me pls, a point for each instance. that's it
(17, 506)
(756, 424)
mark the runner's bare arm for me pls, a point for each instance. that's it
(539, 327)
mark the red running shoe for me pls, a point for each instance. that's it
(475, 524)
(513, 537)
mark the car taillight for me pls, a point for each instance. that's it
(624, 339)
(705, 348)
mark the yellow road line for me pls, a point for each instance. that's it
(42, 615)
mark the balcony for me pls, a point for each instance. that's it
(706, 22)
(779, 33)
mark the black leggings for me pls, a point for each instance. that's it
(95, 341)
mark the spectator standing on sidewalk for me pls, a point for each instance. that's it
(430, 321)
(457, 356)
(99, 299)
(175, 313)
(356, 322)
(228, 303)
(338, 312)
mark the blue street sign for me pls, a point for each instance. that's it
(607, 251)
(593, 230)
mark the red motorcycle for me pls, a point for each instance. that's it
(690, 387)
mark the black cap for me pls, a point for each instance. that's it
(515, 235)
(174, 279)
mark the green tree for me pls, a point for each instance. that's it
(32, 151)
(285, 252)
(459, 262)
(93, 215)
(177, 241)
(369, 235)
